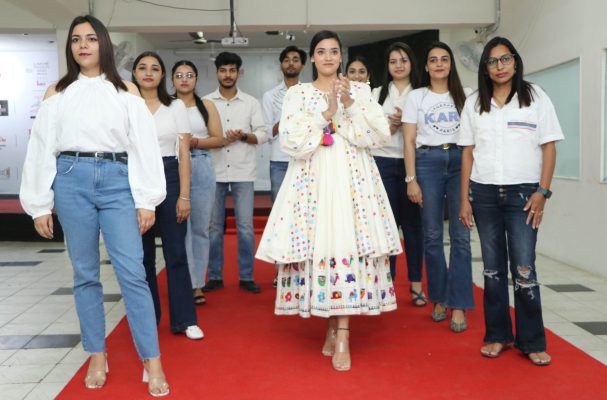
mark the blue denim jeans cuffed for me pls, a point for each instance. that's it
(506, 237)
(202, 195)
(92, 195)
(278, 169)
(182, 310)
(242, 193)
(438, 174)
(406, 214)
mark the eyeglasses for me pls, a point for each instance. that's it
(506, 59)
(187, 75)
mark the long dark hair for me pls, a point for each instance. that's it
(363, 60)
(453, 83)
(107, 65)
(320, 36)
(413, 75)
(520, 87)
(199, 104)
(163, 94)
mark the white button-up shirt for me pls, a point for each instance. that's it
(236, 162)
(272, 109)
(507, 141)
(90, 115)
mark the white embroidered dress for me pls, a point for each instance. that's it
(331, 228)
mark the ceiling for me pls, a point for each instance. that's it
(182, 40)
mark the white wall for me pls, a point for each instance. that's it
(547, 33)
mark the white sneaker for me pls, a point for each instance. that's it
(194, 332)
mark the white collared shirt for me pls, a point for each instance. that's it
(90, 115)
(236, 162)
(272, 110)
(171, 123)
(507, 141)
(395, 149)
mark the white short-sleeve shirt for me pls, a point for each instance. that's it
(435, 114)
(171, 122)
(507, 141)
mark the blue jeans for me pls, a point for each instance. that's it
(202, 195)
(500, 220)
(278, 169)
(243, 193)
(92, 195)
(406, 214)
(438, 173)
(182, 312)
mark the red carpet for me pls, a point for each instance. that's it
(248, 353)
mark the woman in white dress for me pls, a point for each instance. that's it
(93, 156)
(331, 230)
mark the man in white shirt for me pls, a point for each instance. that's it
(244, 128)
(292, 60)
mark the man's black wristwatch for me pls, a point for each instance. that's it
(546, 192)
(244, 137)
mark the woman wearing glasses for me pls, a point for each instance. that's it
(401, 77)
(206, 134)
(432, 158)
(509, 129)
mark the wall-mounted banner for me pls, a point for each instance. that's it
(24, 77)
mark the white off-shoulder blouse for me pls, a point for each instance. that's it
(91, 115)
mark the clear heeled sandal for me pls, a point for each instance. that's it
(157, 385)
(96, 378)
(341, 359)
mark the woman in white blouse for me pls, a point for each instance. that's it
(173, 131)
(92, 156)
(207, 133)
(509, 129)
(433, 160)
(401, 76)
(331, 229)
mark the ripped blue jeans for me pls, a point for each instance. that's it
(505, 237)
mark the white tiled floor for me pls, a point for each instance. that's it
(28, 308)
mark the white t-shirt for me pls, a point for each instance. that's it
(171, 122)
(507, 141)
(435, 114)
(395, 149)
(197, 125)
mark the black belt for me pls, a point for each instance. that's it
(444, 146)
(104, 155)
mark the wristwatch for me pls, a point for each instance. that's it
(546, 192)
(409, 179)
(244, 137)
